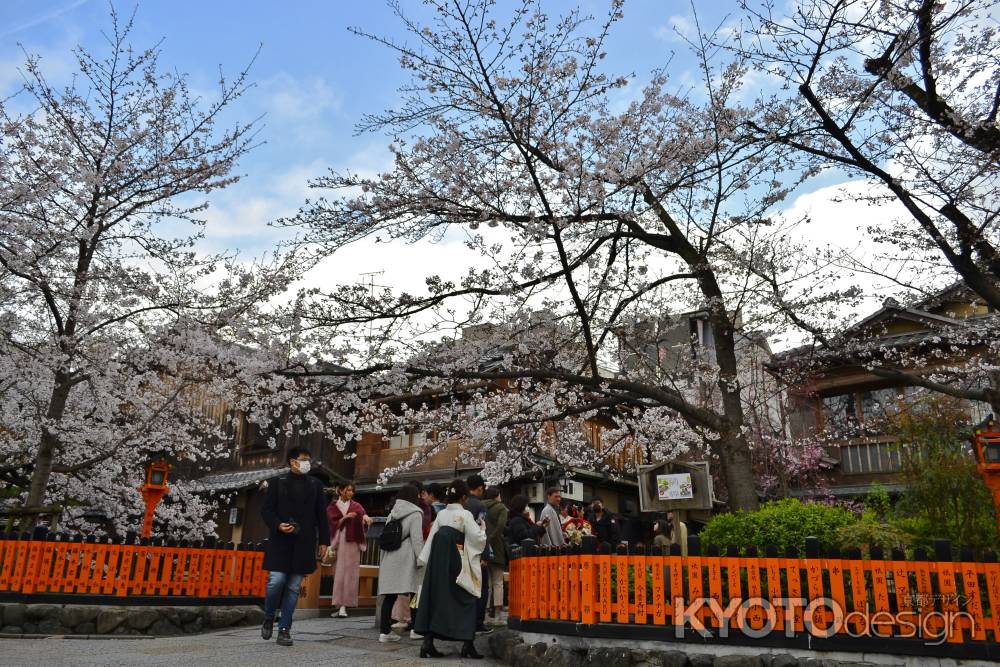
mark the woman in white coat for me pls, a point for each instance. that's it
(452, 576)
(398, 572)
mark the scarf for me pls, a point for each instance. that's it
(355, 529)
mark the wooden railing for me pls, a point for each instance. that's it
(834, 601)
(145, 572)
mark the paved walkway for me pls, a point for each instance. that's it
(318, 642)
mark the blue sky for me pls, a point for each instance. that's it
(314, 81)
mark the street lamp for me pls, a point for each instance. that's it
(987, 443)
(153, 491)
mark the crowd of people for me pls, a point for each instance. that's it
(443, 551)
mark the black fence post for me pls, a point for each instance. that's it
(942, 550)
(528, 547)
(812, 547)
(694, 545)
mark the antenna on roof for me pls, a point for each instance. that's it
(371, 291)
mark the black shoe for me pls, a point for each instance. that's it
(284, 638)
(427, 650)
(483, 630)
(267, 628)
(469, 651)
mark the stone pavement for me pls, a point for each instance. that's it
(319, 642)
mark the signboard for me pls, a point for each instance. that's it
(675, 485)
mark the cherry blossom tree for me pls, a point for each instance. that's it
(119, 339)
(904, 95)
(597, 225)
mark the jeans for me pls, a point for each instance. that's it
(282, 591)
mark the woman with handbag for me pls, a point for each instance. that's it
(348, 523)
(452, 576)
(399, 575)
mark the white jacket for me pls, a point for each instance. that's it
(459, 518)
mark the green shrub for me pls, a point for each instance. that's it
(782, 523)
(944, 495)
(871, 531)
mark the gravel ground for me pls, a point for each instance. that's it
(318, 642)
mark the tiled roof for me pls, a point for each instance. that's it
(232, 481)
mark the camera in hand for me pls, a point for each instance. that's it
(295, 526)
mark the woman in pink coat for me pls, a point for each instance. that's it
(348, 524)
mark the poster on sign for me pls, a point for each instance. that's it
(674, 487)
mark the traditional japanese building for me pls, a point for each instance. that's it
(834, 394)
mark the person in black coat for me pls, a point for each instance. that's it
(606, 527)
(295, 512)
(519, 528)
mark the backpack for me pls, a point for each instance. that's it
(392, 535)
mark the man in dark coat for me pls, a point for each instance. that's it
(295, 512)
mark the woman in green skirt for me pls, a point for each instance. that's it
(452, 576)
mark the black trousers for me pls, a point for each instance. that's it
(484, 596)
(385, 618)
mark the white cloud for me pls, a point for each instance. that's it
(288, 98)
(677, 29)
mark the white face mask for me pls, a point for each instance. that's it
(304, 467)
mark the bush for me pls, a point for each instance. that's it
(782, 523)
(871, 531)
(944, 495)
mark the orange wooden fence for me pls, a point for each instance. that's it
(836, 597)
(149, 570)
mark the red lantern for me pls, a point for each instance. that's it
(153, 491)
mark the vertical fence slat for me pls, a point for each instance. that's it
(773, 566)
(835, 571)
(572, 605)
(638, 563)
(793, 579)
(621, 585)
(657, 563)
(604, 565)
(32, 567)
(588, 607)
(880, 590)
(714, 567)
(755, 614)
(534, 563)
(677, 598)
(973, 594)
(554, 562)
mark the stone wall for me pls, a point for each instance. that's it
(72, 619)
(510, 648)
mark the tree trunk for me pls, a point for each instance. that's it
(45, 458)
(738, 473)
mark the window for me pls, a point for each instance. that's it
(840, 415)
(879, 403)
(407, 440)
(875, 457)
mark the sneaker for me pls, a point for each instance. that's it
(386, 638)
(414, 635)
(342, 612)
(267, 629)
(483, 630)
(284, 638)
